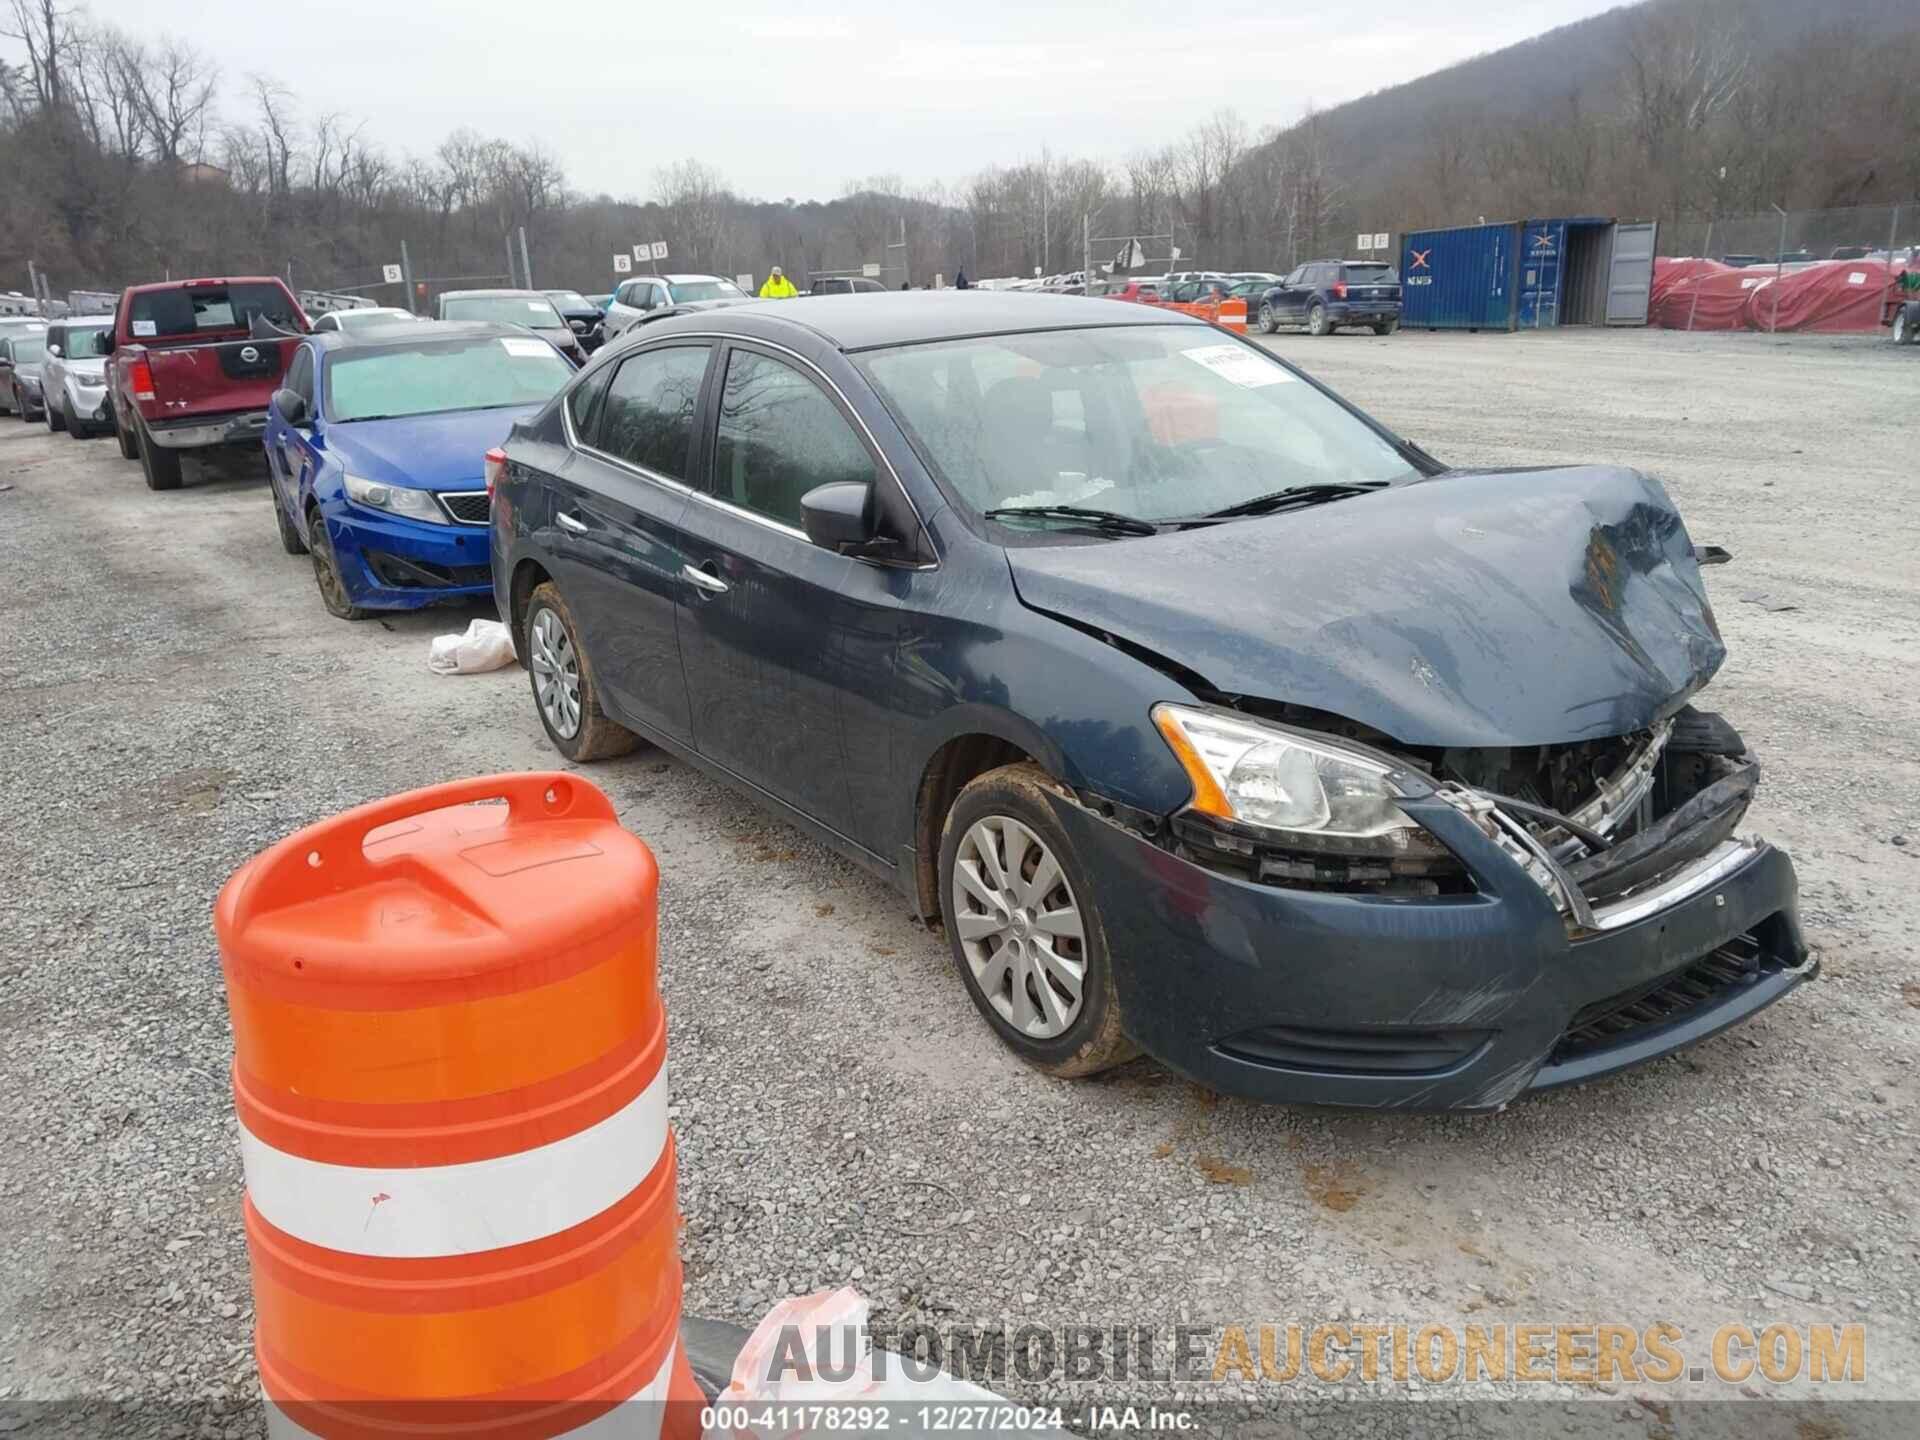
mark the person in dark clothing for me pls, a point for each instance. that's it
(960, 281)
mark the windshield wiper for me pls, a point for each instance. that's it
(1099, 519)
(1293, 495)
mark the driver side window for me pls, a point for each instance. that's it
(300, 376)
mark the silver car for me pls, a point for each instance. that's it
(634, 299)
(74, 376)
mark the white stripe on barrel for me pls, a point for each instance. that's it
(459, 1209)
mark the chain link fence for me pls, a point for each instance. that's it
(1793, 237)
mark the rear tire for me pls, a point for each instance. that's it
(161, 465)
(566, 692)
(1268, 324)
(1317, 320)
(1906, 328)
(1386, 327)
(122, 436)
(1011, 804)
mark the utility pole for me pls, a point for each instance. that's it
(406, 277)
(33, 286)
(510, 274)
(1046, 211)
(526, 265)
(1086, 253)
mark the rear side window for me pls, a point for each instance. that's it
(583, 404)
(199, 310)
(647, 417)
(780, 436)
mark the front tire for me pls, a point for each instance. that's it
(74, 427)
(1021, 922)
(1317, 320)
(566, 692)
(161, 465)
(56, 419)
(1268, 323)
(326, 572)
(1905, 331)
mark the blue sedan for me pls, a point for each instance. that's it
(376, 447)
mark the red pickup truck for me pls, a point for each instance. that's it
(194, 365)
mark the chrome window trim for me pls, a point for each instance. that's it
(873, 444)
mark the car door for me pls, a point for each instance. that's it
(759, 626)
(618, 548)
(1290, 304)
(291, 457)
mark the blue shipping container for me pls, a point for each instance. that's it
(1461, 279)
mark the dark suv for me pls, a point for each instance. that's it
(1323, 295)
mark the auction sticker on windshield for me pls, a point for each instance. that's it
(529, 349)
(1241, 366)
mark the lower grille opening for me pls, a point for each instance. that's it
(399, 573)
(1646, 1008)
(1388, 1050)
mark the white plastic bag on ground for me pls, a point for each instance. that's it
(487, 645)
(817, 1350)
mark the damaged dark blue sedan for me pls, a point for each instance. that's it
(1209, 717)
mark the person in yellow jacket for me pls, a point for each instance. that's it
(778, 287)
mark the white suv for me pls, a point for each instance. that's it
(641, 295)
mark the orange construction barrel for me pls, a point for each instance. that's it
(1233, 315)
(450, 1072)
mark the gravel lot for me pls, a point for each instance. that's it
(173, 698)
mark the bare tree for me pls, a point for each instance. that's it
(173, 89)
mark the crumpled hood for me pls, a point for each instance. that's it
(426, 452)
(1507, 608)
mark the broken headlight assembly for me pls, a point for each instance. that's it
(1283, 799)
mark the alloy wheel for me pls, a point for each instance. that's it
(1019, 926)
(556, 674)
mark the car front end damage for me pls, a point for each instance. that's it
(1550, 914)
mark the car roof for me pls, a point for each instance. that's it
(493, 294)
(912, 317)
(406, 334)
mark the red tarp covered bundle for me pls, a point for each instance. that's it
(1833, 297)
(1830, 297)
(1671, 273)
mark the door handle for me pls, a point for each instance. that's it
(703, 580)
(569, 522)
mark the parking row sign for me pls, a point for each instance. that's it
(1374, 240)
(655, 250)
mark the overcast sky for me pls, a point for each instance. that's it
(784, 102)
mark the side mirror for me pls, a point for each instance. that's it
(838, 517)
(54, 350)
(292, 408)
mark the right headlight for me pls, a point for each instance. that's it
(396, 500)
(1305, 790)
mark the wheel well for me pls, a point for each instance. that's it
(528, 576)
(953, 767)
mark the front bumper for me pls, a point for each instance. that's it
(90, 402)
(390, 563)
(242, 428)
(1445, 1003)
